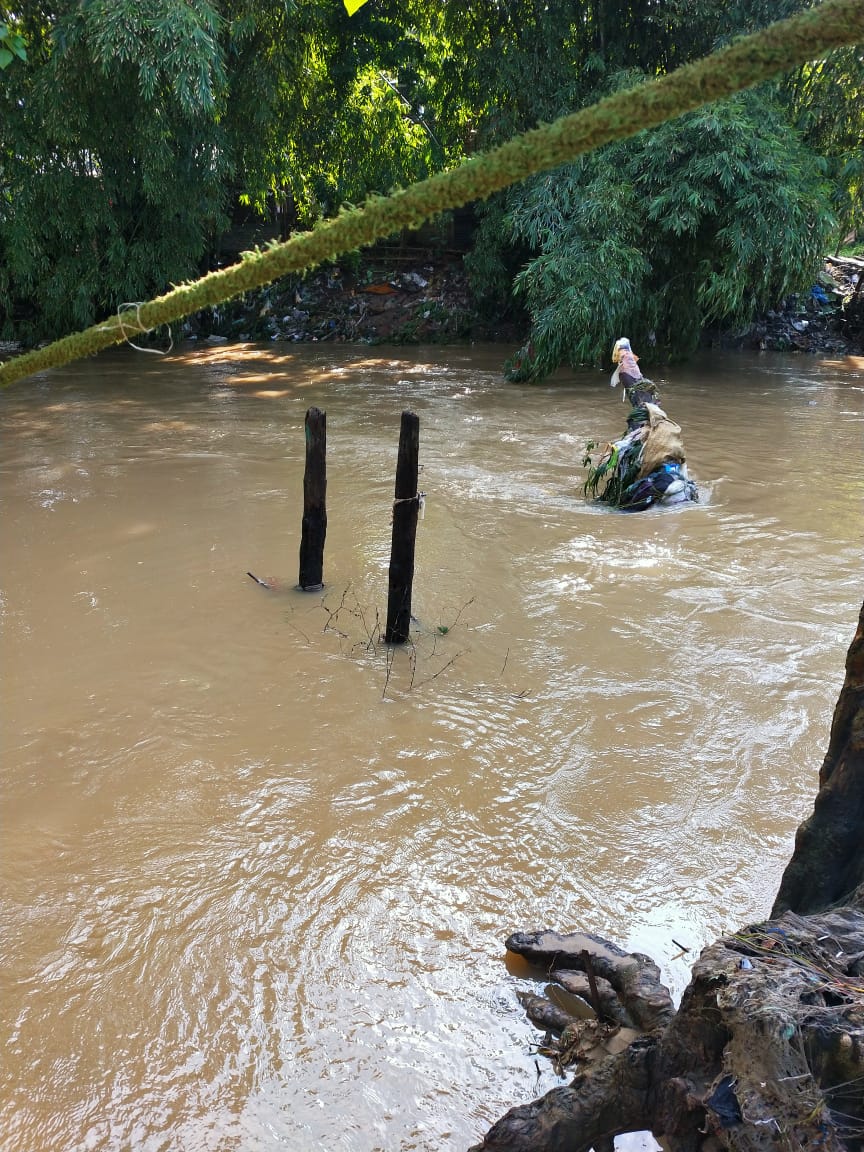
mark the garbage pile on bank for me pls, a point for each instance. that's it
(428, 301)
(422, 304)
(827, 319)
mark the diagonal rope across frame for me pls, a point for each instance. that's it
(746, 62)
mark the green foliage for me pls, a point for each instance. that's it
(131, 129)
(826, 102)
(111, 168)
(702, 221)
(134, 127)
(492, 265)
(666, 234)
(12, 45)
(618, 468)
(323, 108)
(510, 66)
(750, 61)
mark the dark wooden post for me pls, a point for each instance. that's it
(314, 502)
(405, 508)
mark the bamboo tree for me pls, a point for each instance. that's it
(130, 130)
(700, 222)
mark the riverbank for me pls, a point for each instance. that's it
(396, 299)
(829, 319)
(424, 298)
(384, 300)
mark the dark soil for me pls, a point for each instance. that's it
(829, 319)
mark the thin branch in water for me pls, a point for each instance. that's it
(333, 616)
(302, 633)
(435, 676)
(467, 604)
(372, 636)
(389, 663)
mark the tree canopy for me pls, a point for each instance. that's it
(130, 131)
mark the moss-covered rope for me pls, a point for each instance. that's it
(748, 61)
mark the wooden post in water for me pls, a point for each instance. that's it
(406, 505)
(314, 502)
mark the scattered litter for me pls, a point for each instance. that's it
(263, 583)
(827, 318)
(724, 1103)
(412, 280)
(382, 302)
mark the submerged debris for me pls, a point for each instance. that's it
(647, 466)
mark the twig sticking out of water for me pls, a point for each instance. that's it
(450, 628)
(333, 616)
(349, 606)
(435, 675)
(388, 662)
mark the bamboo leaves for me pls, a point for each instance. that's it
(668, 234)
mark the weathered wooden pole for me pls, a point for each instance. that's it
(406, 505)
(314, 502)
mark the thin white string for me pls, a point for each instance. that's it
(139, 328)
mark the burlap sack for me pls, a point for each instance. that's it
(663, 442)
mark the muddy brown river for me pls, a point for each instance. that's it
(257, 870)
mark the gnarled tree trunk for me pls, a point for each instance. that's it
(766, 1050)
(828, 861)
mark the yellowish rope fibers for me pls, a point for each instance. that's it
(748, 61)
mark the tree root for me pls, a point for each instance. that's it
(765, 1052)
(608, 1098)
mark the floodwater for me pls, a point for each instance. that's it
(257, 869)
